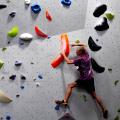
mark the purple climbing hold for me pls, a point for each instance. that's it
(36, 8)
(18, 63)
(12, 77)
(66, 2)
(2, 6)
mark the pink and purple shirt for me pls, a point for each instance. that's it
(83, 64)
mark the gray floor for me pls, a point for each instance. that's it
(37, 103)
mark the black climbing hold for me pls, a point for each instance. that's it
(96, 67)
(17, 95)
(2, 6)
(23, 77)
(103, 25)
(8, 117)
(18, 63)
(92, 45)
(12, 14)
(110, 69)
(12, 77)
(100, 10)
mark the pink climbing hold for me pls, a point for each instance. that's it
(40, 33)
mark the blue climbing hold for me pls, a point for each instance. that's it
(66, 2)
(22, 87)
(57, 107)
(40, 77)
(36, 8)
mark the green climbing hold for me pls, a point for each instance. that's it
(13, 32)
(77, 41)
(116, 82)
(109, 16)
(1, 64)
(4, 49)
(117, 118)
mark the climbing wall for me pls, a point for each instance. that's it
(33, 98)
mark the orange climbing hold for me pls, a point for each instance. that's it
(40, 33)
(48, 16)
(65, 46)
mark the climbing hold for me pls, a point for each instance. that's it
(12, 14)
(4, 49)
(37, 84)
(66, 2)
(65, 46)
(96, 67)
(18, 63)
(100, 10)
(117, 118)
(40, 33)
(118, 110)
(27, 2)
(109, 16)
(1, 64)
(13, 32)
(102, 25)
(8, 117)
(40, 76)
(23, 77)
(2, 6)
(22, 87)
(92, 45)
(12, 77)
(17, 96)
(48, 16)
(57, 107)
(26, 37)
(110, 69)
(116, 82)
(36, 8)
(4, 98)
(77, 41)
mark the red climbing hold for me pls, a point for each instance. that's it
(65, 46)
(40, 33)
(48, 16)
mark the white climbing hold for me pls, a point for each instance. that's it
(4, 98)
(26, 37)
(27, 2)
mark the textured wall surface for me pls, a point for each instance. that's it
(37, 103)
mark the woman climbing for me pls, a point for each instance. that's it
(86, 79)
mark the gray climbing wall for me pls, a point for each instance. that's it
(38, 102)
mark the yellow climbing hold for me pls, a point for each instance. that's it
(1, 64)
(77, 41)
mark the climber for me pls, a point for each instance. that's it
(86, 79)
